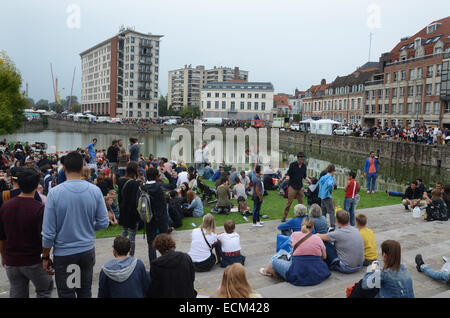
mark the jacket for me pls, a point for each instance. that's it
(312, 194)
(325, 186)
(129, 216)
(172, 276)
(175, 212)
(157, 198)
(367, 165)
(123, 278)
(307, 270)
(392, 284)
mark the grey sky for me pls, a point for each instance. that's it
(291, 43)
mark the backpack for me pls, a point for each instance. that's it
(436, 211)
(6, 195)
(144, 206)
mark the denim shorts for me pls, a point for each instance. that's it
(281, 266)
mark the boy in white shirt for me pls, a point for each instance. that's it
(231, 245)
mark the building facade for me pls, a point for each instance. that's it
(408, 91)
(185, 83)
(313, 101)
(119, 77)
(237, 100)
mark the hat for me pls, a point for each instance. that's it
(301, 154)
(15, 171)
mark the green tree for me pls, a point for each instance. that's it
(190, 112)
(76, 108)
(42, 104)
(31, 103)
(12, 101)
(162, 106)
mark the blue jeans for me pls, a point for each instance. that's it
(132, 233)
(86, 262)
(349, 206)
(256, 209)
(445, 276)
(396, 194)
(334, 263)
(280, 266)
(371, 180)
(154, 228)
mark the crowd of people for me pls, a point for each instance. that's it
(51, 205)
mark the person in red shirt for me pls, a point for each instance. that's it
(351, 190)
(21, 241)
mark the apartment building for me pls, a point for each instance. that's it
(445, 90)
(408, 90)
(296, 101)
(313, 101)
(119, 76)
(237, 100)
(185, 83)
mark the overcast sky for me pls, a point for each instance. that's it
(291, 43)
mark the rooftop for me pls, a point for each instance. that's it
(239, 86)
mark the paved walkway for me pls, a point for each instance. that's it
(258, 245)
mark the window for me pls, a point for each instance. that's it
(249, 95)
(410, 108)
(430, 71)
(395, 76)
(429, 89)
(412, 73)
(386, 108)
(249, 105)
(263, 106)
(208, 94)
(400, 108)
(419, 73)
(380, 108)
(208, 104)
(242, 105)
(402, 91)
(256, 95)
(388, 78)
(256, 105)
(428, 108)
(217, 94)
(359, 103)
(216, 104)
(419, 90)
(224, 95)
(353, 103)
(139, 105)
(242, 95)
(437, 87)
(130, 113)
(232, 106)
(263, 95)
(403, 75)
(224, 104)
(410, 90)
(394, 108)
(233, 95)
(439, 70)
(394, 92)
(437, 108)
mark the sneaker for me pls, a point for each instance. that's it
(283, 220)
(445, 259)
(330, 229)
(419, 262)
(373, 192)
(406, 208)
(257, 225)
(261, 222)
(368, 192)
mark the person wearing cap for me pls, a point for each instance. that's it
(15, 191)
(295, 175)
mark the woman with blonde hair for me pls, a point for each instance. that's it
(305, 265)
(235, 284)
(86, 174)
(204, 239)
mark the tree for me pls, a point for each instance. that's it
(76, 108)
(12, 101)
(31, 103)
(42, 104)
(162, 107)
(190, 112)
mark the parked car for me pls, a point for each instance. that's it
(170, 122)
(295, 127)
(343, 131)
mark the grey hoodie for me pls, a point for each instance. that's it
(120, 269)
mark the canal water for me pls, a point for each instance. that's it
(393, 175)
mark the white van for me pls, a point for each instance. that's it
(170, 122)
(102, 119)
(212, 121)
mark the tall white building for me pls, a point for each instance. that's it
(185, 83)
(119, 76)
(237, 100)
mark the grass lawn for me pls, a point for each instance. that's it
(273, 206)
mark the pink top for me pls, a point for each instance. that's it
(312, 246)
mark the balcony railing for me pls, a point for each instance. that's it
(377, 82)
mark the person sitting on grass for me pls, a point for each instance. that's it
(112, 218)
(294, 224)
(195, 207)
(172, 274)
(124, 276)
(345, 246)
(223, 197)
(306, 266)
(230, 244)
(413, 197)
(443, 274)
(320, 222)
(370, 247)
(114, 206)
(240, 195)
(393, 280)
(235, 284)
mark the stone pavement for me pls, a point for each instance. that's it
(431, 239)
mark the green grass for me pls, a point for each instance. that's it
(273, 206)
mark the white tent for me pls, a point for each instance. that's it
(307, 121)
(323, 126)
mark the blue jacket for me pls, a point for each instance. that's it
(392, 284)
(197, 205)
(367, 165)
(123, 278)
(307, 270)
(61, 176)
(295, 224)
(326, 186)
(74, 210)
(321, 225)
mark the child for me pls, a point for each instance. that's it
(370, 247)
(112, 218)
(114, 207)
(436, 209)
(231, 245)
(312, 193)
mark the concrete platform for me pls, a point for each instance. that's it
(432, 240)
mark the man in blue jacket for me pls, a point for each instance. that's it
(124, 276)
(73, 212)
(371, 172)
(326, 184)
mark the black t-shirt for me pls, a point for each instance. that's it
(413, 195)
(296, 175)
(112, 154)
(105, 186)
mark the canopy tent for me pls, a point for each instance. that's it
(323, 126)
(307, 121)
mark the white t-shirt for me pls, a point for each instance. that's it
(245, 181)
(198, 156)
(205, 154)
(200, 251)
(182, 177)
(230, 242)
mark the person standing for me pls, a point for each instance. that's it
(371, 172)
(258, 191)
(160, 220)
(326, 185)
(112, 156)
(92, 151)
(351, 191)
(295, 175)
(73, 212)
(134, 150)
(21, 241)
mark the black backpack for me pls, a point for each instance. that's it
(436, 211)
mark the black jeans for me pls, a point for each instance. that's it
(78, 276)
(154, 228)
